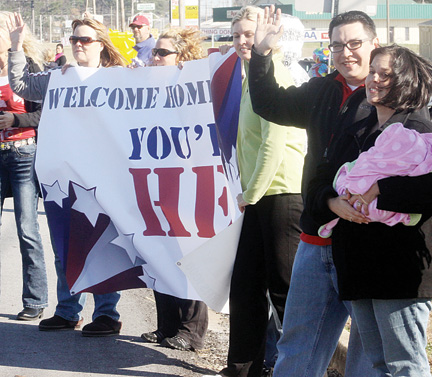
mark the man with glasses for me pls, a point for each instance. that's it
(314, 315)
(144, 40)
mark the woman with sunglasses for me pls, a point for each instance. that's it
(91, 47)
(18, 122)
(181, 324)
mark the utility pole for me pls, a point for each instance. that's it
(50, 29)
(33, 16)
(40, 24)
(181, 13)
(122, 9)
(94, 7)
(388, 21)
(117, 15)
(336, 8)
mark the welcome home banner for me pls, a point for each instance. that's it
(133, 177)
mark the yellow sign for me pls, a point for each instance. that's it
(124, 41)
(191, 12)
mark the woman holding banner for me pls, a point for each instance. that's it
(92, 48)
(181, 324)
(270, 161)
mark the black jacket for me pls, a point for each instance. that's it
(61, 61)
(33, 109)
(315, 106)
(376, 260)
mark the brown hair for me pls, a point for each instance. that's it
(410, 82)
(186, 41)
(110, 56)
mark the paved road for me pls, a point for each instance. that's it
(25, 351)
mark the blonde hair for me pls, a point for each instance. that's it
(110, 56)
(31, 46)
(186, 41)
(249, 12)
(49, 55)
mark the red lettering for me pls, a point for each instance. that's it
(223, 199)
(204, 205)
(150, 218)
(169, 191)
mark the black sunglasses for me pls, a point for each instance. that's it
(136, 26)
(162, 52)
(84, 40)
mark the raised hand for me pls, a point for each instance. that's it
(268, 31)
(16, 29)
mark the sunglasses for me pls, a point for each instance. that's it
(83, 40)
(137, 27)
(162, 52)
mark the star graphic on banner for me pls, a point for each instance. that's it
(86, 203)
(54, 193)
(146, 278)
(125, 241)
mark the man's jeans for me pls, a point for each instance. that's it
(314, 319)
(69, 307)
(394, 335)
(17, 173)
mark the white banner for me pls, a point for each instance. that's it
(132, 177)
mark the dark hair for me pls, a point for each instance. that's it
(410, 81)
(59, 44)
(350, 18)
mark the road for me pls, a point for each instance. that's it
(27, 352)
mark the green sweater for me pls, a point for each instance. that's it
(270, 156)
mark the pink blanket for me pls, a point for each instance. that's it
(398, 151)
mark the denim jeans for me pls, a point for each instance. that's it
(314, 320)
(274, 332)
(69, 307)
(393, 333)
(17, 174)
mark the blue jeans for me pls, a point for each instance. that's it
(393, 333)
(69, 307)
(314, 319)
(17, 174)
(274, 331)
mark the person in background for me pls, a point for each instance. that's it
(314, 315)
(140, 26)
(321, 58)
(270, 161)
(91, 47)
(18, 122)
(181, 324)
(49, 57)
(60, 58)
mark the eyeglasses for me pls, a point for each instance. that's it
(351, 45)
(84, 40)
(162, 52)
(137, 27)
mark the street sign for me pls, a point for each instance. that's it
(225, 14)
(145, 6)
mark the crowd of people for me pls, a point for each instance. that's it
(311, 152)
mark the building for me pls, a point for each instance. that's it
(405, 17)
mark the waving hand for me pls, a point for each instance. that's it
(15, 26)
(268, 31)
